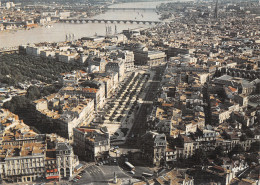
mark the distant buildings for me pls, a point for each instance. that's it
(207, 104)
(9, 5)
(173, 52)
(19, 14)
(150, 58)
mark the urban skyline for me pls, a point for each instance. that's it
(109, 92)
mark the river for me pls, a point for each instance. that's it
(58, 32)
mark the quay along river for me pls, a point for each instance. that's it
(59, 31)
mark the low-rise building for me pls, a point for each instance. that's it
(67, 57)
(34, 50)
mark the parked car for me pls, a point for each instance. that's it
(131, 172)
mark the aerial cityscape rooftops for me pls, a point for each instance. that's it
(173, 103)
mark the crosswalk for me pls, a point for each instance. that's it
(94, 170)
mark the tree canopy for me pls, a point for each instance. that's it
(17, 68)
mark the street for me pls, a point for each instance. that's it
(100, 175)
(139, 126)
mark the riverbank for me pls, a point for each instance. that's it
(28, 27)
(59, 30)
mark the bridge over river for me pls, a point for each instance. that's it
(79, 20)
(131, 9)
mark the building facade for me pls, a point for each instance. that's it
(90, 144)
(153, 148)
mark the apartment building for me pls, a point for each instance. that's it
(64, 112)
(25, 156)
(35, 50)
(153, 148)
(88, 89)
(90, 144)
(150, 58)
(66, 160)
(67, 57)
(118, 67)
(128, 57)
(110, 81)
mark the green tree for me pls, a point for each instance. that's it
(238, 149)
(200, 157)
(16, 104)
(255, 147)
(33, 93)
(218, 161)
(252, 158)
(243, 137)
(8, 105)
(4, 70)
(219, 150)
(249, 133)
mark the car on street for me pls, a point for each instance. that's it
(131, 172)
